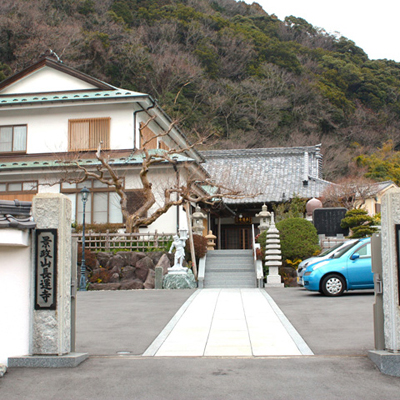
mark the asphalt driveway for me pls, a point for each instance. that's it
(339, 331)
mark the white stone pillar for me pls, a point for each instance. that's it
(51, 298)
(390, 273)
(388, 360)
(52, 328)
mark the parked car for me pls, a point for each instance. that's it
(349, 269)
(328, 253)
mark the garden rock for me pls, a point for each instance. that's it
(150, 280)
(142, 268)
(130, 285)
(131, 257)
(164, 263)
(128, 270)
(155, 256)
(289, 276)
(128, 273)
(103, 258)
(104, 286)
(114, 278)
(116, 262)
(100, 275)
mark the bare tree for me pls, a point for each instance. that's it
(154, 203)
(349, 192)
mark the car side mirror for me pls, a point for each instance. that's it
(354, 256)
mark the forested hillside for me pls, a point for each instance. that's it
(221, 67)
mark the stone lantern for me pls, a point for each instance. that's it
(198, 217)
(265, 216)
(210, 240)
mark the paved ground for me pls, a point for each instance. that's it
(228, 322)
(339, 331)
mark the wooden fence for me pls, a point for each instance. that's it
(125, 241)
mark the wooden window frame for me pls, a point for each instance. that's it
(12, 143)
(93, 141)
(24, 195)
(89, 184)
(153, 141)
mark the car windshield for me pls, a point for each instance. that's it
(330, 250)
(344, 249)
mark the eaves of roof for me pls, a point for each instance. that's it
(54, 98)
(132, 160)
(9, 221)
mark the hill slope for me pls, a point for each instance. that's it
(222, 67)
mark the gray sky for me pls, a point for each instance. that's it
(372, 24)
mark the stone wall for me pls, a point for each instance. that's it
(127, 270)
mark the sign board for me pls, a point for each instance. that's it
(46, 269)
(327, 221)
(242, 220)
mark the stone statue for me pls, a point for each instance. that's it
(179, 245)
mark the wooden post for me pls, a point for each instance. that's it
(192, 252)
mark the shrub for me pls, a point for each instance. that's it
(299, 238)
(200, 247)
(359, 222)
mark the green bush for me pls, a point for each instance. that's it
(359, 222)
(299, 238)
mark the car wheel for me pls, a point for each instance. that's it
(333, 285)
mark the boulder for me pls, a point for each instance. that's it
(133, 284)
(164, 263)
(3, 370)
(289, 276)
(150, 280)
(128, 273)
(142, 268)
(103, 258)
(114, 278)
(116, 261)
(104, 286)
(155, 256)
(116, 269)
(131, 257)
(100, 275)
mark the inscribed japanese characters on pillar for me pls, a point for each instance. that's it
(46, 269)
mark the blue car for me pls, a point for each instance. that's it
(349, 269)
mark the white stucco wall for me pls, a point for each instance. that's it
(47, 128)
(46, 80)
(15, 292)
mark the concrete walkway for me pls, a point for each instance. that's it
(229, 322)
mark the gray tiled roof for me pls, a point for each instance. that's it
(7, 100)
(16, 214)
(271, 172)
(9, 221)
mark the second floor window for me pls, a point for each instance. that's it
(13, 138)
(86, 134)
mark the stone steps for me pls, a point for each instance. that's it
(230, 269)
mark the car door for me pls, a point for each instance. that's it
(359, 273)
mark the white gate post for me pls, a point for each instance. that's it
(51, 331)
(388, 360)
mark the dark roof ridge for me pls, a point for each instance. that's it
(260, 151)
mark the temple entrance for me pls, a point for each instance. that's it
(236, 237)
